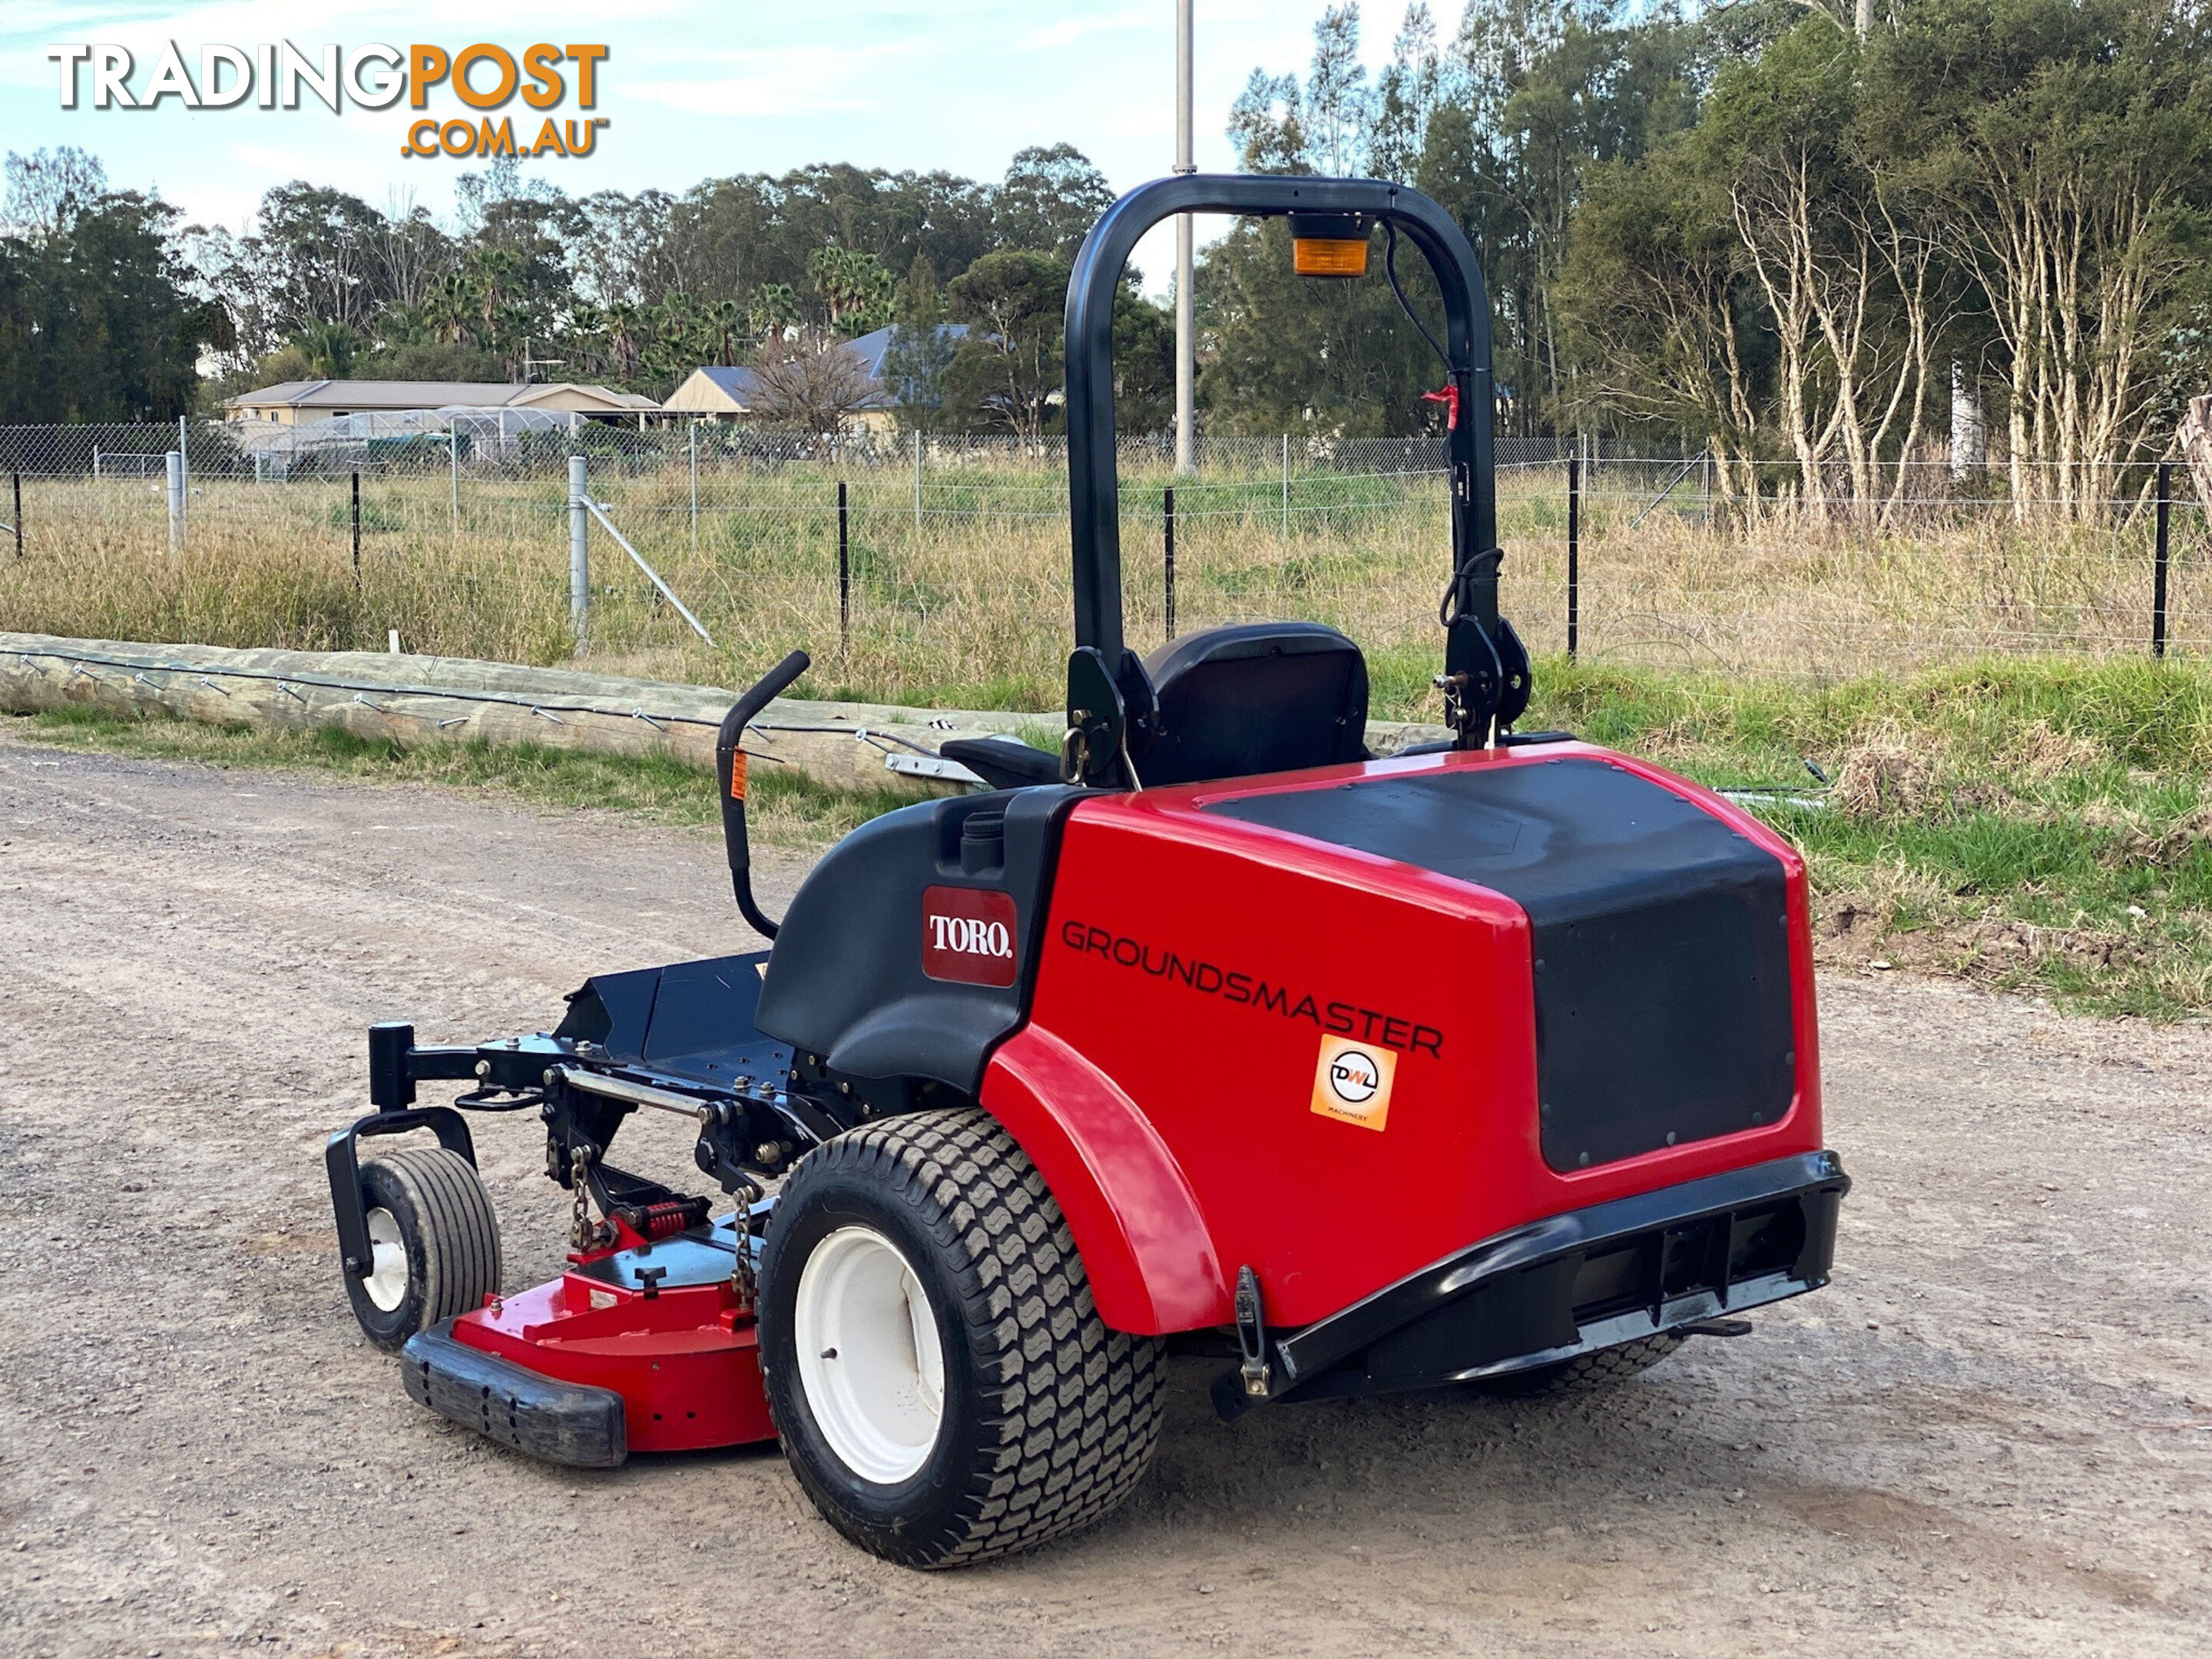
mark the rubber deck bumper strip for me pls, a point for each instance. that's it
(1305, 1353)
(568, 1422)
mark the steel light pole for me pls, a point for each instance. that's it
(1186, 343)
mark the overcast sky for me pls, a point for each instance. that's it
(691, 89)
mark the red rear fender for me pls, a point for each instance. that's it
(1142, 1236)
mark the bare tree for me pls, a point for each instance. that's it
(410, 252)
(1652, 319)
(812, 382)
(2195, 440)
(47, 189)
(626, 249)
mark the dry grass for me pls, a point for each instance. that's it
(2034, 824)
(971, 607)
(1885, 773)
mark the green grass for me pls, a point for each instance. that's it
(2032, 825)
(2138, 713)
(785, 806)
(2028, 824)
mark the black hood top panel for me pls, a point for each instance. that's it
(1660, 938)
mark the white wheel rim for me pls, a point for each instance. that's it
(868, 1355)
(387, 1283)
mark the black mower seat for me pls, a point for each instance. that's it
(1002, 760)
(1255, 697)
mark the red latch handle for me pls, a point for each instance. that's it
(1449, 398)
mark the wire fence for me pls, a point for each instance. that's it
(936, 565)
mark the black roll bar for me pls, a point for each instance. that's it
(1093, 481)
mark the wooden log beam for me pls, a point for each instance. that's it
(410, 699)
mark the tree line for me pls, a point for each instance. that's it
(1836, 243)
(97, 321)
(112, 308)
(634, 291)
(1830, 243)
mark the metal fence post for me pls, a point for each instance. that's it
(1286, 487)
(917, 482)
(580, 551)
(1574, 553)
(184, 480)
(1167, 515)
(176, 501)
(2158, 565)
(15, 484)
(454, 451)
(844, 574)
(694, 487)
(356, 530)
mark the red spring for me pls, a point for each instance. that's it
(662, 1220)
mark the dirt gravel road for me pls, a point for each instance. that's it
(1991, 1436)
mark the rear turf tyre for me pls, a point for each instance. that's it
(957, 1396)
(435, 1244)
(1597, 1369)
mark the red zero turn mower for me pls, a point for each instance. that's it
(1491, 1062)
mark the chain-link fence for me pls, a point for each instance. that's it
(932, 567)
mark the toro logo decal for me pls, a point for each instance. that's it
(968, 935)
(1352, 1083)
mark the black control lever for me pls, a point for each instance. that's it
(730, 779)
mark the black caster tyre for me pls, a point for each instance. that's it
(434, 1243)
(1594, 1370)
(945, 1389)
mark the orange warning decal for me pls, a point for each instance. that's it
(1353, 1082)
(738, 775)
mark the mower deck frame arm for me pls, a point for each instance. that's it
(342, 1158)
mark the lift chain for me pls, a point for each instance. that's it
(584, 1234)
(743, 1282)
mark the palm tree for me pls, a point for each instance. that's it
(855, 286)
(329, 347)
(449, 305)
(495, 270)
(774, 308)
(403, 325)
(625, 323)
(831, 271)
(582, 340)
(726, 321)
(510, 330)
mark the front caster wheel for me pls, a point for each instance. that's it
(945, 1389)
(434, 1240)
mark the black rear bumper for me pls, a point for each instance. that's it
(1571, 1284)
(560, 1422)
